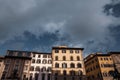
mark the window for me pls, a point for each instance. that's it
(33, 55)
(64, 58)
(64, 65)
(72, 73)
(101, 58)
(32, 68)
(26, 68)
(56, 65)
(63, 51)
(44, 61)
(76, 51)
(78, 58)
(43, 69)
(72, 65)
(56, 58)
(71, 51)
(56, 51)
(36, 76)
(64, 72)
(38, 61)
(33, 60)
(49, 61)
(49, 56)
(43, 76)
(64, 78)
(44, 56)
(49, 78)
(80, 73)
(49, 69)
(79, 65)
(39, 56)
(71, 58)
(37, 68)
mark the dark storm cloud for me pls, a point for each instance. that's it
(81, 23)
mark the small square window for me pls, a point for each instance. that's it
(77, 51)
(71, 51)
(56, 51)
(63, 51)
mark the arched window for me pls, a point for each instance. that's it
(38, 61)
(56, 65)
(56, 58)
(31, 74)
(64, 72)
(37, 68)
(43, 69)
(72, 73)
(79, 65)
(64, 58)
(78, 58)
(72, 65)
(64, 65)
(49, 69)
(32, 68)
(44, 61)
(33, 60)
(80, 73)
(49, 61)
(71, 58)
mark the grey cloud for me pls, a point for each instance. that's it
(79, 22)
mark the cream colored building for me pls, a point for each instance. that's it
(1, 66)
(41, 64)
(67, 63)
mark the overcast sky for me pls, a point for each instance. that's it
(37, 25)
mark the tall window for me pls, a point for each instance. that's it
(72, 73)
(33, 60)
(64, 72)
(38, 61)
(43, 69)
(64, 65)
(64, 58)
(37, 68)
(72, 65)
(80, 72)
(78, 58)
(71, 58)
(43, 76)
(49, 69)
(56, 65)
(32, 68)
(56, 58)
(39, 56)
(79, 65)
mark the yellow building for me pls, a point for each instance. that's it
(99, 67)
(67, 63)
(1, 66)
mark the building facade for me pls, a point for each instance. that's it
(67, 63)
(99, 66)
(116, 59)
(41, 64)
(16, 65)
(1, 66)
